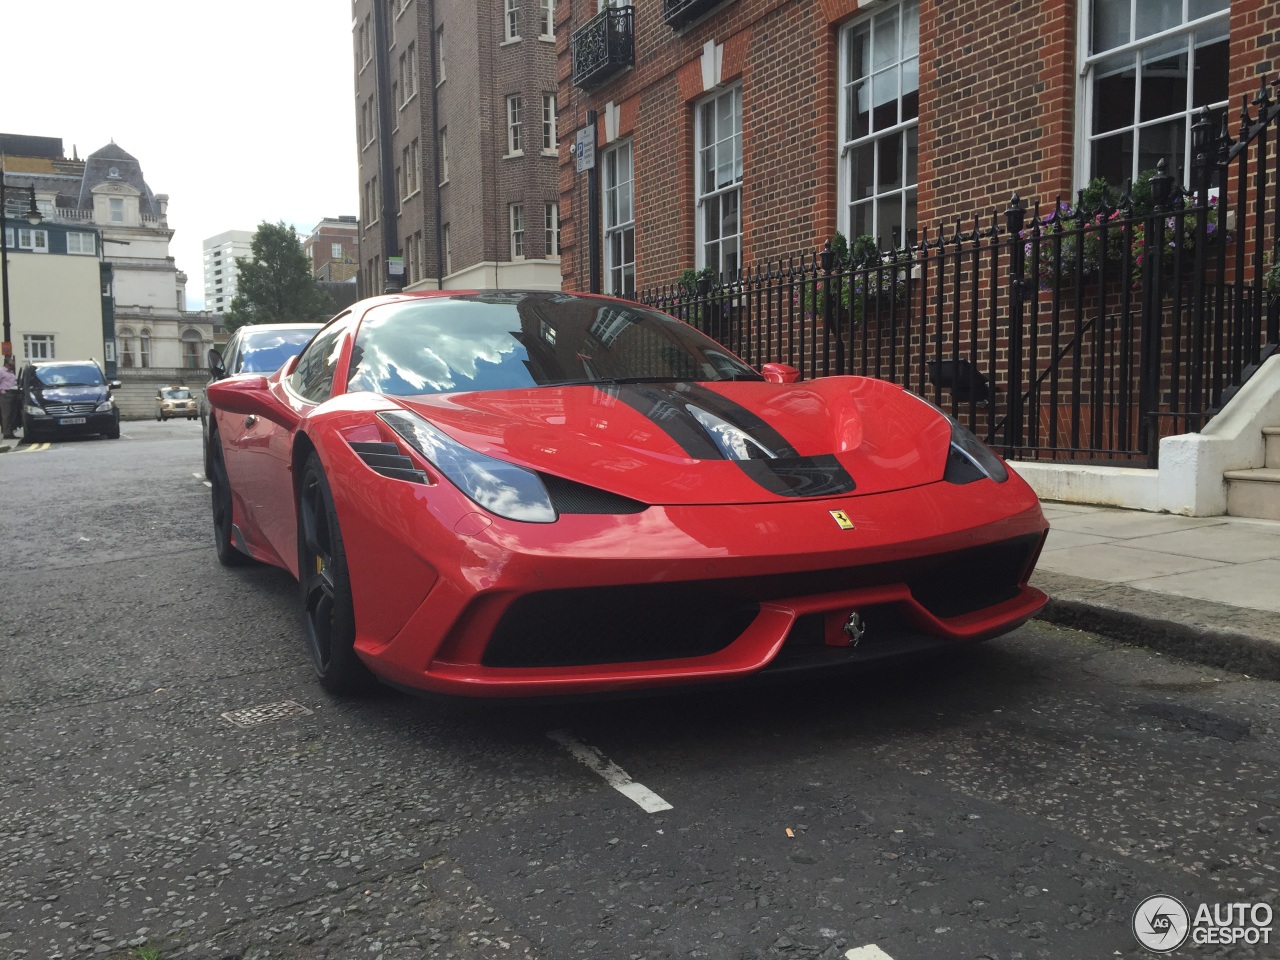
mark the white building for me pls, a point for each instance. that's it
(220, 272)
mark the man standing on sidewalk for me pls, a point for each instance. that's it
(8, 398)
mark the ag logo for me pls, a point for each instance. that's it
(1161, 924)
(842, 519)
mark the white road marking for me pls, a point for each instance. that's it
(612, 774)
(208, 483)
(198, 476)
(869, 952)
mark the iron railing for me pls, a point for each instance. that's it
(1082, 333)
(603, 47)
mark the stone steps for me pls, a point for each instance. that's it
(1256, 493)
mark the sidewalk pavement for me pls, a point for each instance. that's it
(1203, 588)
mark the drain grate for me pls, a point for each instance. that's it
(252, 716)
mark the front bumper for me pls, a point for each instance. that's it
(73, 423)
(689, 595)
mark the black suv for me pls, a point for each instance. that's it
(67, 397)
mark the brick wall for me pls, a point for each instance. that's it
(998, 89)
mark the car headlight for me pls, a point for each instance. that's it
(500, 487)
(970, 459)
(104, 407)
(34, 410)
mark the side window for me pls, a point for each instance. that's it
(313, 378)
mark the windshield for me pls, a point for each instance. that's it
(266, 351)
(176, 393)
(69, 375)
(512, 341)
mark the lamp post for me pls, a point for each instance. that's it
(33, 218)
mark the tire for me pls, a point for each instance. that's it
(220, 489)
(328, 616)
(28, 431)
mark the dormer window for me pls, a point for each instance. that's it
(114, 173)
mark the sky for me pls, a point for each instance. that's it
(241, 111)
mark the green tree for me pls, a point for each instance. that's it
(275, 284)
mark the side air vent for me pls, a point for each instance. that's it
(569, 497)
(386, 459)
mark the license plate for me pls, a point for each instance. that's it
(70, 421)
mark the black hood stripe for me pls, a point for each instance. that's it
(787, 475)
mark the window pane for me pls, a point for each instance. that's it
(711, 219)
(1164, 141)
(864, 170)
(1112, 157)
(1210, 83)
(891, 162)
(1114, 88)
(913, 155)
(884, 39)
(859, 39)
(1157, 15)
(859, 111)
(889, 221)
(1110, 24)
(1164, 78)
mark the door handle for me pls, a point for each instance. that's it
(250, 420)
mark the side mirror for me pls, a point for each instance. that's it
(217, 369)
(780, 373)
(250, 396)
(113, 385)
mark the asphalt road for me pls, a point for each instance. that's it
(1016, 801)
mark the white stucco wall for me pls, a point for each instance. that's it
(516, 275)
(58, 295)
(1189, 480)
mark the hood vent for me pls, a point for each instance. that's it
(570, 497)
(386, 459)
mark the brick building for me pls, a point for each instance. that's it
(456, 125)
(333, 248)
(730, 133)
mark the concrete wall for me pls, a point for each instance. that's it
(137, 393)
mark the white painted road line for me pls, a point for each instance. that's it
(612, 774)
(869, 952)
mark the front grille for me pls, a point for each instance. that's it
(563, 628)
(64, 409)
(947, 584)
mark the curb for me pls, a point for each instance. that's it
(1215, 634)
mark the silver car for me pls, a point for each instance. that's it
(254, 348)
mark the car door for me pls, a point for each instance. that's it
(266, 448)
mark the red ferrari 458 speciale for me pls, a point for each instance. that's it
(534, 493)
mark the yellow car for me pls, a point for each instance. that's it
(175, 401)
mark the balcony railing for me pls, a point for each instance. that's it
(680, 13)
(603, 47)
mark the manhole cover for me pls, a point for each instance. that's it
(252, 716)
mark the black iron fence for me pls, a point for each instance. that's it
(1085, 332)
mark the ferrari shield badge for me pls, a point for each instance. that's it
(842, 519)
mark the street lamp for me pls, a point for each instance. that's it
(33, 218)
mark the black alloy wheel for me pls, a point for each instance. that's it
(220, 486)
(327, 611)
